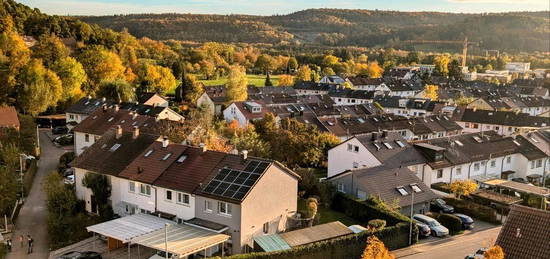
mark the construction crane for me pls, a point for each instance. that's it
(464, 43)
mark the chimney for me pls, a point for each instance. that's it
(203, 147)
(116, 108)
(474, 109)
(384, 134)
(104, 108)
(118, 133)
(245, 154)
(165, 142)
(157, 118)
(135, 134)
(104, 99)
(374, 136)
(134, 115)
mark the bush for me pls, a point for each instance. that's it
(452, 222)
(475, 210)
(444, 187)
(64, 161)
(376, 224)
(3, 250)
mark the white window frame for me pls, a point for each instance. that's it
(86, 137)
(477, 166)
(508, 159)
(145, 189)
(180, 198)
(227, 209)
(131, 187)
(438, 172)
(340, 187)
(493, 163)
(208, 206)
(458, 170)
(169, 199)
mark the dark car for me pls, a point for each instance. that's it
(467, 222)
(423, 229)
(64, 140)
(80, 255)
(60, 130)
(439, 205)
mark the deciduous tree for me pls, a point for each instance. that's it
(430, 91)
(237, 84)
(118, 90)
(72, 76)
(463, 187)
(441, 63)
(376, 249)
(192, 89)
(39, 88)
(14, 54)
(303, 73)
(155, 78)
(50, 49)
(101, 65)
(494, 252)
(286, 80)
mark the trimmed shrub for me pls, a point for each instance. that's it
(64, 161)
(376, 224)
(28, 177)
(444, 187)
(452, 222)
(475, 210)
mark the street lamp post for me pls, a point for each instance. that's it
(411, 223)
(21, 174)
(166, 239)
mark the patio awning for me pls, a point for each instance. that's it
(182, 239)
(271, 243)
(129, 227)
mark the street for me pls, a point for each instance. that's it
(32, 218)
(456, 247)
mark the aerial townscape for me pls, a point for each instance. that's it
(274, 129)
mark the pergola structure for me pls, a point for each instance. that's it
(158, 233)
(500, 184)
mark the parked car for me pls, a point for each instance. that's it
(69, 179)
(161, 255)
(467, 222)
(439, 205)
(64, 140)
(80, 255)
(423, 229)
(60, 130)
(436, 228)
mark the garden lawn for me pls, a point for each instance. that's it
(257, 80)
(328, 215)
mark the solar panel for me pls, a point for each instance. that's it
(236, 184)
(231, 176)
(251, 165)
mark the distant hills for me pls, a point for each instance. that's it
(515, 31)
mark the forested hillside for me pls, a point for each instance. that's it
(519, 31)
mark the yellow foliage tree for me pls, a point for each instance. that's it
(441, 63)
(430, 91)
(101, 65)
(463, 187)
(237, 84)
(157, 78)
(303, 73)
(286, 80)
(376, 249)
(40, 88)
(374, 70)
(494, 252)
(14, 54)
(72, 77)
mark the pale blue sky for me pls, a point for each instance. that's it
(268, 7)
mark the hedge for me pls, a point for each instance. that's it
(367, 210)
(28, 177)
(350, 246)
(451, 222)
(473, 209)
(3, 251)
(444, 187)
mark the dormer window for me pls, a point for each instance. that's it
(399, 143)
(114, 147)
(459, 143)
(182, 158)
(166, 156)
(415, 187)
(148, 153)
(387, 145)
(111, 119)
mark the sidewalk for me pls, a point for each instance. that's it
(33, 215)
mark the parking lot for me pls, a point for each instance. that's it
(478, 227)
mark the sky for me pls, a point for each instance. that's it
(270, 7)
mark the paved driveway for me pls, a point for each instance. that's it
(33, 215)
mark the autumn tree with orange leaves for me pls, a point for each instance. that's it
(376, 250)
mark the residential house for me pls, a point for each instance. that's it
(401, 73)
(479, 156)
(517, 67)
(524, 234)
(312, 88)
(8, 117)
(408, 107)
(374, 149)
(244, 112)
(242, 196)
(332, 80)
(503, 122)
(344, 96)
(80, 110)
(394, 186)
(213, 99)
(369, 84)
(152, 99)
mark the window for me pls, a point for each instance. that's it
(71, 116)
(183, 198)
(148, 153)
(493, 163)
(356, 149)
(145, 189)
(508, 159)
(415, 187)
(340, 187)
(266, 228)
(388, 146)
(208, 206)
(168, 195)
(180, 220)
(440, 173)
(182, 158)
(350, 147)
(166, 156)
(458, 170)
(132, 186)
(539, 163)
(475, 126)
(224, 208)
(402, 190)
(476, 166)
(87, 137)
(114, 147)
(467, 125)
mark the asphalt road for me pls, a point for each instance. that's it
(456, 247)
(33, 215)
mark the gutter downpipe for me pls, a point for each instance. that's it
(502, 167)
(156, 197)
(544, 172)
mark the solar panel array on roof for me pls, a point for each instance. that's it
(235, 184)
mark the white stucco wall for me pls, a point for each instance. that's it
(340, 159)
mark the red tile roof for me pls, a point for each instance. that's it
(107, 118)
(8, 117)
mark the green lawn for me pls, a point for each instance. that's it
(327, 215)
(257, 80)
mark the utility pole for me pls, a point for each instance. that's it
(166, 239)
(411, 223)
(21, 175)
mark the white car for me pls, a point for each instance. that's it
(437, 229)
(69, 179)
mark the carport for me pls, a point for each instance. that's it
(182, 240)
(499, 184)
